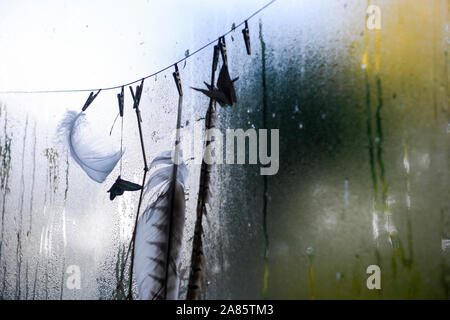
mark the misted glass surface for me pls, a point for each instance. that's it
(362, 112)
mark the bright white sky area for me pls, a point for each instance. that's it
(59, 44)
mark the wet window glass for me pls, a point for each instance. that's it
(354, 97)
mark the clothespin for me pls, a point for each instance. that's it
(176, 77)
(120, 98)
(223, 50)
(216, 56)
(89, 100)
(137, 98)
(246, 34)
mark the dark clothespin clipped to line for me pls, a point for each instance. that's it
(89, 100)
(216, 56)
(137, 98)
(120, 98)
(223, 49)
(246, 34)
(120, 186)
(177, 78)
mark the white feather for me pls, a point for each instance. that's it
(93, 155)
(153, 235)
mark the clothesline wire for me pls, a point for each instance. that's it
(153, 74)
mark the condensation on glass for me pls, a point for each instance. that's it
(362, 109)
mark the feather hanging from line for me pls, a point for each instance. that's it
(160, 231)
(225, 93)
(120, 186)
(197, 275)
(92, 155)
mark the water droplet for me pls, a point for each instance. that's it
(324, 115)
(310, 251)
(296, 109)
(300, 125)
(363, 66)
(274, 115)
